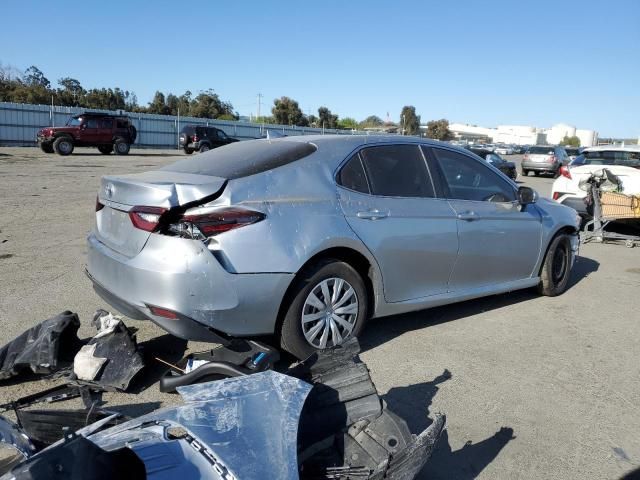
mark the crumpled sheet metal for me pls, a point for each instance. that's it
(41, 347)
(249, 423)
(12, 435)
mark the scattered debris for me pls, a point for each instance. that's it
(45, 348)
(111, 358)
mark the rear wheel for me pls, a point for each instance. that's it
(63, 145)
(105, 149)
(121, 146)
(46, 147)
(204, 148)
(536, 173)
(525, 173)
(188, 151)
(556, 269)
(328, 305)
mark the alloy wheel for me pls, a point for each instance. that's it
(329, 313)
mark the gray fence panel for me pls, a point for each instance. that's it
(19, 124)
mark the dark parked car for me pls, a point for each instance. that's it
(197, 138)
(544, 159)
(89, 129)
(508, 168)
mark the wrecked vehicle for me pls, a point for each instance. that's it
(307, 237)
(323, 419)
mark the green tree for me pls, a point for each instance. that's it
(409, 121)
(286, 111)
(572, 141)
(327, 119)
(439, 129)
(312, 120)
(208, 105)
(372, 121)
(348, 123)
(71, 94)
(35, 78)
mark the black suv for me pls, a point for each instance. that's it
(508, 168)
(89, 129)
(197, 138)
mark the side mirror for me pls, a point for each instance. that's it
(527, 195)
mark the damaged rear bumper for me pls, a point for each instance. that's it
(192, 284)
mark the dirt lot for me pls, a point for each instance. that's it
(532, 387)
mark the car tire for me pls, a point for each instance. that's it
(318, 278)
(536, 173)
(204, 148)
(63, 145)
(105, 149)
(525, 173)
(121, 146)
(188, 151)
(46, 147)
(556, 269)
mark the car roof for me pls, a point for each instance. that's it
(613, 148)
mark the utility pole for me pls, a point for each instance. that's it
(259, 103)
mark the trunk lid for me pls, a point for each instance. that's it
(630, 177)
(164, 189)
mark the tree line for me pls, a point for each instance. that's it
(33, 87)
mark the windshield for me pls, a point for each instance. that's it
(74, 121)
(627, 159)
(541, 150)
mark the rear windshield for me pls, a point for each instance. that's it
(242, 159)
(189, 129)
(572, 151)
(628, 159)
(541, 150)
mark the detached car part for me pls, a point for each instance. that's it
(45, 348)
(265, 425)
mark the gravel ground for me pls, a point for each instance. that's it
(533, 387)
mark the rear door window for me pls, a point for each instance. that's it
(397, 171)
(107, 123)
(464, 178)
(92, 123)
(352, 175)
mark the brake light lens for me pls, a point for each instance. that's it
(564, 171)
(203, 223)
(526, 156)
(99, 206)
(551, 159)
(556, 195)
(163, 312)
(195, 138)
(146, 218)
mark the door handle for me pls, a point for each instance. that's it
(468, 216)
(373, 214)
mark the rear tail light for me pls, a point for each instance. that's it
(551, 159)
(526, 156)
(195, 138)
(564, 171)
(204, 223)
(163, 312)
(556, 195)
(99, 206)
(146, 218)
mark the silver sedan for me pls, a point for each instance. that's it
(307, 237)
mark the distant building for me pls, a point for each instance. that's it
(522, 134)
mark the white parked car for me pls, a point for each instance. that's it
(504, 150)
(624, 162)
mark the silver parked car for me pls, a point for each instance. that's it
(306, 237)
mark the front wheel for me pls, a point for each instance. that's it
(329, 304)
(556, 269)
(204, 148)
(105, 149)
(63, 146)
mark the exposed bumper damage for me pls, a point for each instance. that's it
(324, 419)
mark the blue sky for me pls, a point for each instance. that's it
(486, 63)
